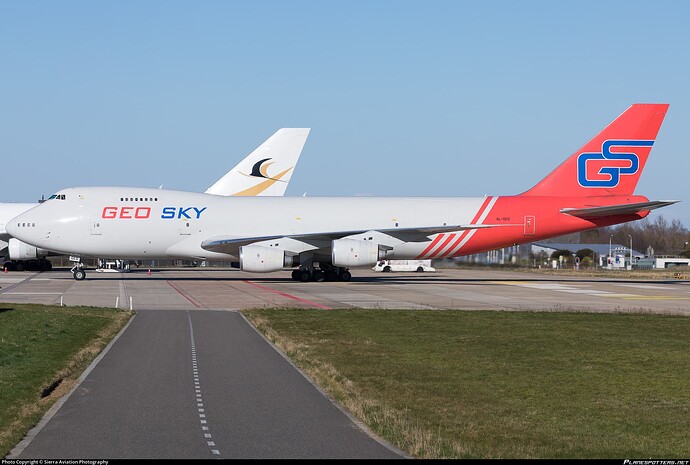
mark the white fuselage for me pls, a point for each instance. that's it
(152, 223)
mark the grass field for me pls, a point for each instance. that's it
(43, 351)
(446, 384)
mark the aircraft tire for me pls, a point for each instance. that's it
(318, 276)
(331, 275)
(345, 275)
(79, 275)
(304, 276)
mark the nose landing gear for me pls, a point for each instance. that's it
(78, 271)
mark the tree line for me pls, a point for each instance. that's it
(659, 236)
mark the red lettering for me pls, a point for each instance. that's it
(126, 213)
(109, 212)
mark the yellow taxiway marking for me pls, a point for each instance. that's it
(656, 297)
(620, 296)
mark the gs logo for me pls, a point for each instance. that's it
(611, 165)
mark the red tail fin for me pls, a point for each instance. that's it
(610, 163)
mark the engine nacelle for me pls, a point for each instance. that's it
(22, 251)
(354, 252)
(260, 259)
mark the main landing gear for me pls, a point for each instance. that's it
(323, 273)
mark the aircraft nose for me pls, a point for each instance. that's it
(11, 227)
(21, 228)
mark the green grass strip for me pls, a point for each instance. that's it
(43, 350)
(478, 384)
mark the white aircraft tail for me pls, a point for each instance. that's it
(267, 170)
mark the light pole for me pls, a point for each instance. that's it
(631, 255)
(609, 263)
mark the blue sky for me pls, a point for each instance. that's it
(419, 98)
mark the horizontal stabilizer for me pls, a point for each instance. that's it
(622, 209)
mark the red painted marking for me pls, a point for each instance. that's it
(445, 243)
(467, 231)
(181, 292)
(431, 246)
(308, 302)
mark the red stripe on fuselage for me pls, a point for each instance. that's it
(479, 214)
(462, 234)
(431, 246)
(445, 243)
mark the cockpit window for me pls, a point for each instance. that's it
(57, 197)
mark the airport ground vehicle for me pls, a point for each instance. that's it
(419, 266)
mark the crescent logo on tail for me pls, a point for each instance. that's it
(260, 170)
(605, 168)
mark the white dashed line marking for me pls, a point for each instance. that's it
(197, 390)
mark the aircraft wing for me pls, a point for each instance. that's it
(622, 209)
(231, 245)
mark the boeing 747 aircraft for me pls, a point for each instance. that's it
(322, 237)
(249, 177)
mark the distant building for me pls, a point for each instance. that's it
(617, 252)
(526, 251)
(661, 263)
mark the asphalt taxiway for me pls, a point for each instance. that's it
(219, 289)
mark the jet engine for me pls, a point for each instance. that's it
(260, 259)
(354, 252)
(22, 251)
